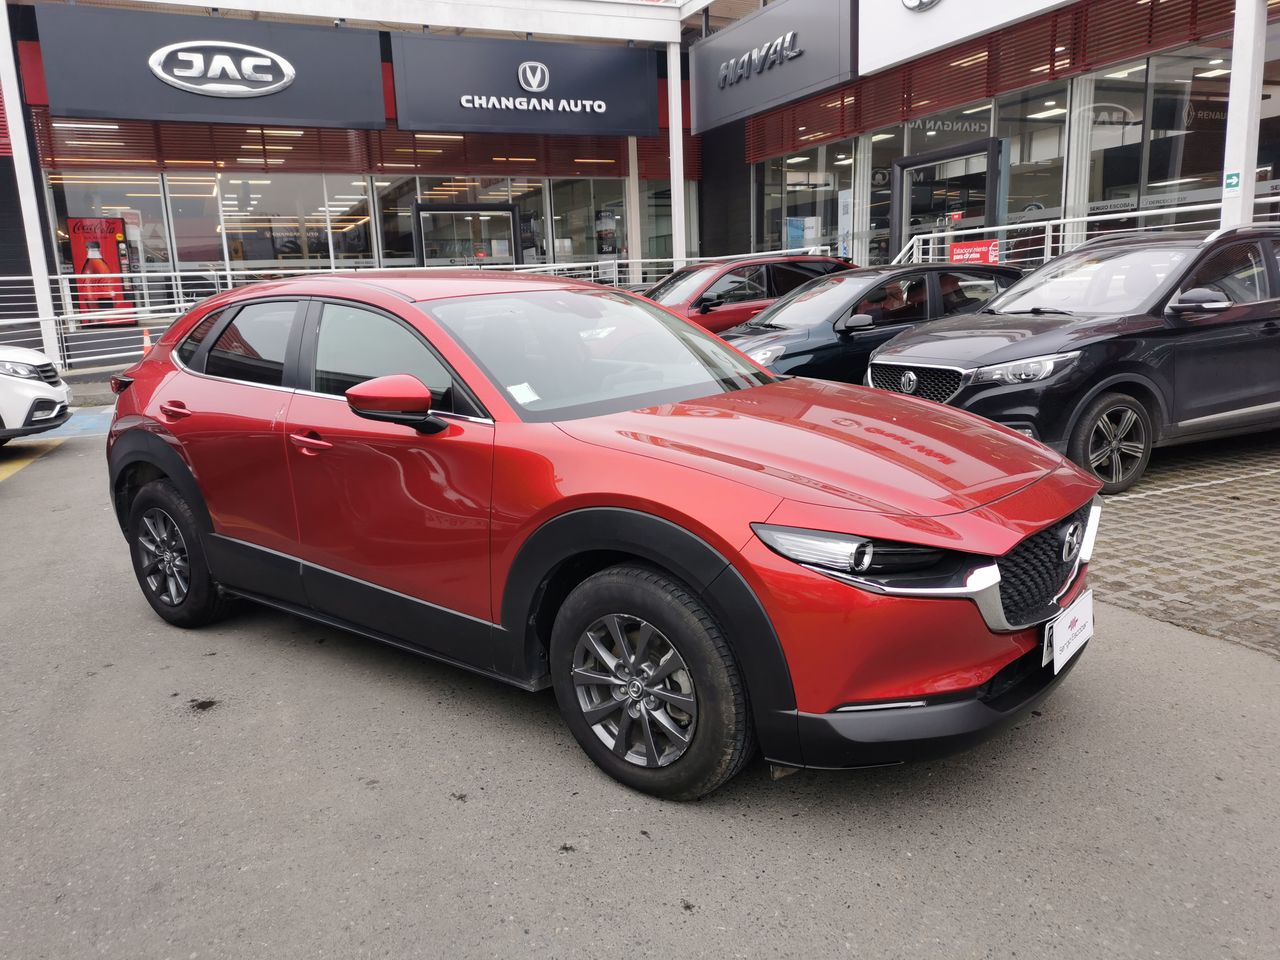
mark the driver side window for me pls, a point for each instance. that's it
(739, 285)
(1237, 273)
(904, 299)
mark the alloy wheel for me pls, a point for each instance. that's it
(166, 566)
(635, 690)
(1117, 444)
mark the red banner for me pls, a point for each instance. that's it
(975, 251)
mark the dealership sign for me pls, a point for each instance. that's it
(159, 66)
(782, 52)
(522, 86)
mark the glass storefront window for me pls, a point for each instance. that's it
(811, 199)
(587, 219)
(1033, 126)
(951, 129)
(886, 146)
(462, 190)
(197, 229)
(608, 203)
(1115, 114)
(130, 203)
(395, 218)
(350, 226)
(529, 196)
(772, 205)
(279, 220)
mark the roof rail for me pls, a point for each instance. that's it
(1242, 228)
(1110, 237)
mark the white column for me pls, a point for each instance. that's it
(675, 133)
(1244, 112)
(632, 211)
(31, 221)
(1079, 129)
(860, 248)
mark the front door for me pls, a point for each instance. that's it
(454, 236)
(734, 297)
(945, 192)
(393, 524)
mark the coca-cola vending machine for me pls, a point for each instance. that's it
(96, 244)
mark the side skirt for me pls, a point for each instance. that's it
(314, 615)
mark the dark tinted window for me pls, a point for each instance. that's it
(786, 277)
(252, 347)
(1237, 273)
(187, 349)
(966, 291)
(739, 285)
(356, 345)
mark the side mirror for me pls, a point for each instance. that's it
(853, 322)
(398, 398)
(706, 305)
(1199, 300)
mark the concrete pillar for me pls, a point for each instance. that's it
(675, 133)
(24, 171)
(1244, 112)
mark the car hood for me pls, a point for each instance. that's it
(976, 340)
(23, 355)
(747, 338)
(834, 445)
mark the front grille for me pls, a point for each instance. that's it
(1033, 572)
(49, 374)
(932, 383)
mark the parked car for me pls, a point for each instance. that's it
(559, 485)
(725, 293)
(1128, 343)
(828, 327)
(33, 397)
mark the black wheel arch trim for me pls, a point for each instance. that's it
(689, 558)
(140, 445)
(1160, 422)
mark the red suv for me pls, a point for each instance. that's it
(560, 485)
(726, 293)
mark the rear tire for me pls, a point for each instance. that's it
(168, 558)
(1113, 440)
(648, 686)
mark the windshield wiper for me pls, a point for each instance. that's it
(1040, 311)
(766, 325)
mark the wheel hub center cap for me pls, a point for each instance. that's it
(635, 690)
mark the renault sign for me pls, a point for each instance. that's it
(785, 51)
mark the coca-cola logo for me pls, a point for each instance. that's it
(92, 228)
(219, 68)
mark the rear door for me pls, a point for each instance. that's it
(227, 411)
(1225, 364)
(393, 524)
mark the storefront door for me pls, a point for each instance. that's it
(946, 191)
(460, 236)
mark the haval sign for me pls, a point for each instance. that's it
(217, 68)
(138, 64)
(759, 59)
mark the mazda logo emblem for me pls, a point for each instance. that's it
(533, 76)
(919, 6)
(909, 382)
(1072, 541)
(219, 68)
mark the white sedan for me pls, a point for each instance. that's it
(33, 397)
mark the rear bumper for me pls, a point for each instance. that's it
(872, 738)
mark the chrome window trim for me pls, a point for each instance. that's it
(177, 362)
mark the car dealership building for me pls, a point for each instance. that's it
(272, 135)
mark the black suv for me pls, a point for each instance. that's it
(1127, 343)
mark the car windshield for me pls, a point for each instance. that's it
(680, 286)
(1110, 280)
(812, 303)
(566, 354)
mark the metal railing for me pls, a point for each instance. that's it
(1034, 242)
(111, 318)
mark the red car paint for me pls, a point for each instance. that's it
(441, 518)
(731, 314)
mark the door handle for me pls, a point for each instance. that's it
(1270, 328)
(309, 442)
(175, 409)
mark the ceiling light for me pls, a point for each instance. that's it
(797, 159)
(982, 109)
(1214, 63)
(1210, 74)
(1045, 114)
(437, 136)
(877, 137)
(67, 125)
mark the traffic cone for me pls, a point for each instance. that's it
(146, 340)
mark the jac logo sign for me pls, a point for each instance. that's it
(219, 68)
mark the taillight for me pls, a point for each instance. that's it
(120, 383)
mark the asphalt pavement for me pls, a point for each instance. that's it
(272, 788)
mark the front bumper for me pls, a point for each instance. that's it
(44, 413)
(875, 738)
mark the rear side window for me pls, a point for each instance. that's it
(252, 347)
(786, 277)
(187, 349)
(965, 291)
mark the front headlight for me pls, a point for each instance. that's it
(1025, 371)
(766, 355)
(12, 368)
(845, 553)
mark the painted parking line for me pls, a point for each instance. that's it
(84, 422)
(1191, 486)
(15, 456)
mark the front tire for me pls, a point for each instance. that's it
(647, 684)
(169, 560)
(1113, 440)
